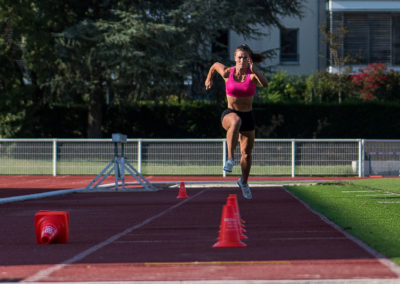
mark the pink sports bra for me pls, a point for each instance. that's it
(240, 89)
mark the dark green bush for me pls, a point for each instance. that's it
(202, 120)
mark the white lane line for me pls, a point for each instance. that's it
(356, 191)
(375, 195)
(20, 198)
(46, 272)
(308, 238)
(266, 239)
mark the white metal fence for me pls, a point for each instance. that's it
(271, 157)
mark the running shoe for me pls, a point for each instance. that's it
(245, 189)
(229, 165)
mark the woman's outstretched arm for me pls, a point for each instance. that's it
(221, 69)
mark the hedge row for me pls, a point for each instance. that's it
(202, 120)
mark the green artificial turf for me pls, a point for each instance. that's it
(369, 209)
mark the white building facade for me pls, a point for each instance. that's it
(373, 36)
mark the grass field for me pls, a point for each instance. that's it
(84, 167)
(369, 209)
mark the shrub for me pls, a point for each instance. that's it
(283, 88)
(319, 88)
(375, 82)
(328, 87)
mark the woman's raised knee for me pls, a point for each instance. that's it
(232, 121)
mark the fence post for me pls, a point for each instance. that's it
(139, 154)
(223, 156)
(54, 157)
(361, 153)
(293, 158)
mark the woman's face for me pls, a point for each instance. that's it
(242, 59)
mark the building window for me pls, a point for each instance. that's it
(396, 40)
(371, 37)
(289, 46)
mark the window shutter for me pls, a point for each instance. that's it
(396, 39)
(380, 38)
(371, 37)
(356, 41)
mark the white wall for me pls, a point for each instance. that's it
(307, 42)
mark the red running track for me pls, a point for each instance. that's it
(15, 185)
(133, 236)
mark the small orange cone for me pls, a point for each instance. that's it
(182, 191)
(229, 235)
(232, 201)
(51, 227)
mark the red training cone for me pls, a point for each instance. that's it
(234, 197)
(229, 235)
(232, 201)
(51, 227)
(182, 191)
(221, 226)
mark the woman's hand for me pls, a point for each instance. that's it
(252, 65)
(220, 69)
(208, 84)
(258, 75)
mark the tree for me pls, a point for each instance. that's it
(334, 39)
(32, 26)
(27, 58)
(120, 50)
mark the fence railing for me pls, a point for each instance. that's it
(271, 157)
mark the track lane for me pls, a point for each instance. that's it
(286, 240)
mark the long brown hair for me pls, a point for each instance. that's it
(256, 57)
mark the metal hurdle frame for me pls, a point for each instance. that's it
(119, 164)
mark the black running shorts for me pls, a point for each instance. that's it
(247, 119)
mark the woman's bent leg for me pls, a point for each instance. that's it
(246, 149)
(231, 123)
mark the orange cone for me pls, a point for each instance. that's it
(182, 191)
(221, 226)
(51, 227)
(232, 201)
(234, 197)
(229, 235)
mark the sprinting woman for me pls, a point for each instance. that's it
(238, 120)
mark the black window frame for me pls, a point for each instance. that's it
(288, 36)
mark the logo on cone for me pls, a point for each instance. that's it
(182, 191)
(229, 235)
(51, 227)
(232, 201)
